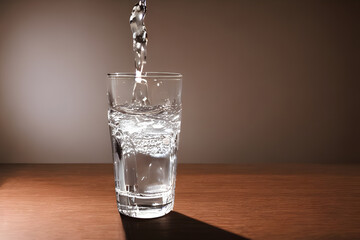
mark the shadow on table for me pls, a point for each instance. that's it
(173, 226)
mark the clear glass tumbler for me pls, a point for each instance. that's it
(144, 120)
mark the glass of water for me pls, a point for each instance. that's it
(144, 119)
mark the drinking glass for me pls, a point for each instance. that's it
(144, 119)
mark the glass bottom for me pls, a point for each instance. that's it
(145, 212)
(144, 205)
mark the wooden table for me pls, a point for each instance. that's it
(77, 201)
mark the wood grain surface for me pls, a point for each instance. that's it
(77, 201)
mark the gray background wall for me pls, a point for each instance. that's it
(264, 81)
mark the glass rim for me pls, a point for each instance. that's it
(145, 75)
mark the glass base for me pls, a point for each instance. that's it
(144, 205)
(145, 211)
